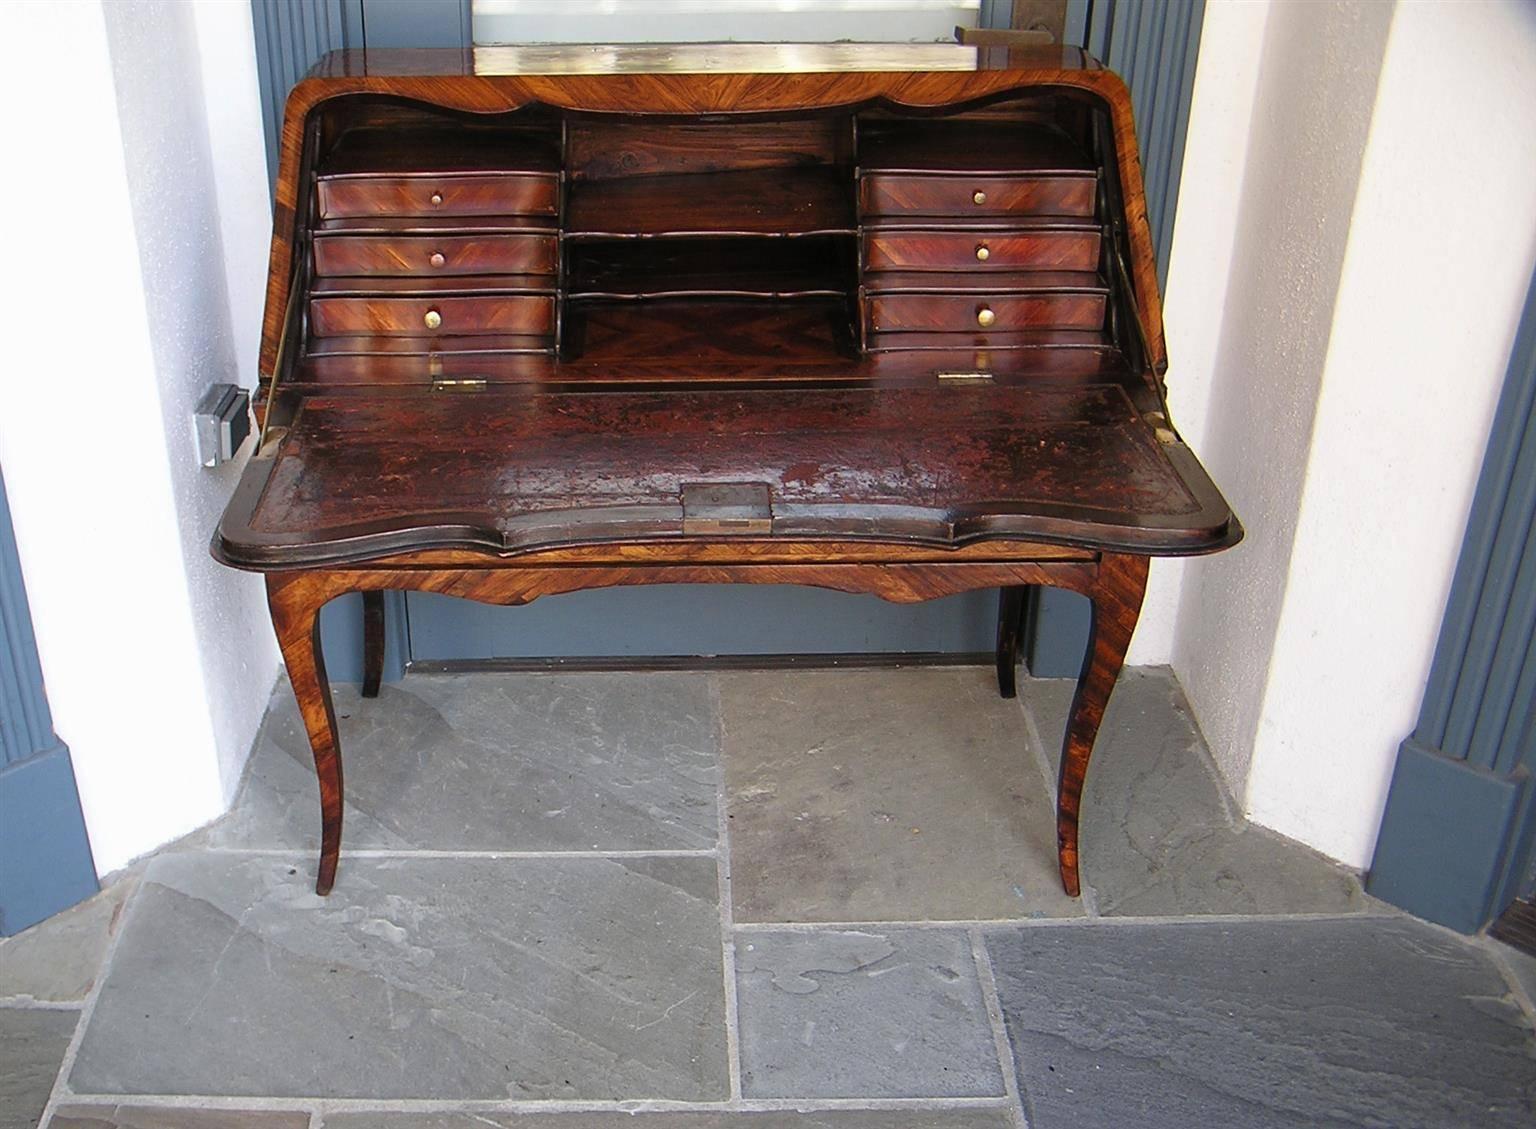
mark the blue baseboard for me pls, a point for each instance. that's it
(1450, 836)
(45, 856)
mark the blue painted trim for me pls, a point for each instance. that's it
(291, 35)
(1479, 707)
(1154, 46)
(26, 726)
(45, 854)
(1447, 848)
(1497, 529)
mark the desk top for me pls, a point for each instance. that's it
(882, 294)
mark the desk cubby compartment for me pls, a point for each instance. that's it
(715, 267)
(370, 174)
(971, 168)
(734, 176)
(754, 297)
(735, 336)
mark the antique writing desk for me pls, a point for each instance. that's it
(876, 319)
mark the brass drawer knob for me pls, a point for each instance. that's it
(437, 259)
(985, 317)
(432, 320)
(978, 197)
(437, 199)
(983, 253)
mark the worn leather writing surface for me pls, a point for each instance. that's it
(524, 470)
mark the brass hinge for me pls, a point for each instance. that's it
(977, 377)
(458, 384)
(1158, 422)
(441, 383)
(270, 440)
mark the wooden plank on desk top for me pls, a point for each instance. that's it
(508, 470)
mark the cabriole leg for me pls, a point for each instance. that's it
(1010, 623)
(373, 643)
(296, 616)
(1116, 594)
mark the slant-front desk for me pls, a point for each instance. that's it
(875, 319)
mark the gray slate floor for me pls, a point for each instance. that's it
(821, 899)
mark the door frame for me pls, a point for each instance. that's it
(45, 853)
(1458, 838)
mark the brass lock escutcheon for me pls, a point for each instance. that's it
(739, 509)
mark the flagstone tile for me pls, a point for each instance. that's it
(878, 1014)
(436, 978)
(496, 761)
(1351, 1021)
(879, 795)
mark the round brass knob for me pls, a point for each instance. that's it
(437, 199)
(983, 253)
(437, 259)
(432, 320)
(985, 317)
(978, 197)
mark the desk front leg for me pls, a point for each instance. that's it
(1116, 592)
(296, 600)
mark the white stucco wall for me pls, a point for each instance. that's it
(1441, 245)
(157, 662)
(1312, 110)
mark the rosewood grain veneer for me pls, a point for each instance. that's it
(538, 328)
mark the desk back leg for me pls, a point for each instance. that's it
(373, 643)
(1010, 626)
(1116, 592)
(296, 600)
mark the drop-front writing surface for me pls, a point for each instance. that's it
(834, 323)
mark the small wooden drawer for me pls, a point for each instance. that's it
(886, 194)
(411, 255)
(1046, 248)
(411, 317)
(488, 194)
(967, 313)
